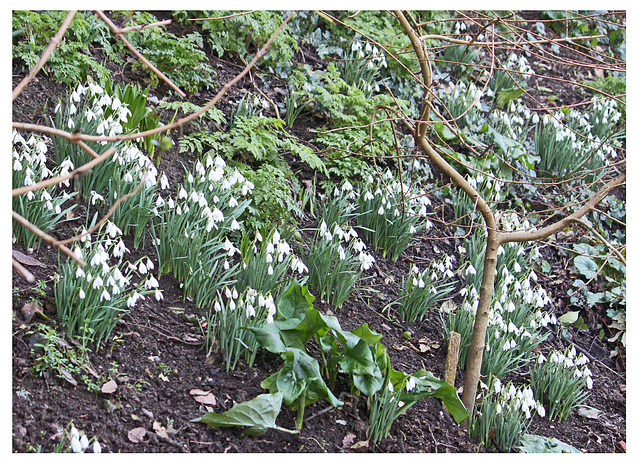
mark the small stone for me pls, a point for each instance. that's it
(147, 413)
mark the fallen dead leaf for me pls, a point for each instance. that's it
(198, 392)
(360, 444)
(68, 377)
(623, 445)
(31, 309)
(25, 259)
(348, 439)
(109, 387)
(160, 430)
(163, 377)
(208, 399)
(136, 435)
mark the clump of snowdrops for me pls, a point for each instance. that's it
(505, 413)
(390, 216)
(192, 229)
(265, 261)
(516, 317)
(77, 441)
(92, 299)
(91, 110)
(337, 256)
(228, 321)
(420, 291)
(44, 208)
(559, 381)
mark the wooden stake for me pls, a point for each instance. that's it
(451, 364)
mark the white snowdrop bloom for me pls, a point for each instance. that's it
(158, 295)
(151, 283)
(270, 270)
(97, 282)
(589, 383)
(498, 408)
(421, 283)
(81, 294)
(84, 442)
(471, 270)
(410, 385)
(341, 253)
(582, 360)
(381, 210)
(105, 295)
(97, 449)
(142, 268)
(368, 196)
(232, 305)
(347, 186)
(366, 260)
(497, 386)
(75, 445)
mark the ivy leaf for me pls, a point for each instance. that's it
(569, 318)
(586, 266)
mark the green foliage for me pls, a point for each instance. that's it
(70, 62)
(256, 415)
(504, 414)
(572, 23)
(610, 85)
(245, 34)
(91, 300)
(359, 354)
(182, 59)
(349, 112)
(559, 383)
(597, 264)
(53, 355)
(273, 201)
(44, 208)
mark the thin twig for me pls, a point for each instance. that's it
(223, 17)
(119, 34)
(47, 238)
(28, 276)
(602, 239)
(108, 214)
(55, 41)
(83, 170)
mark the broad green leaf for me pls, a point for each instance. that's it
(258, 414)
(569, 318)
(358, 360)
(530, 443)
(586, 266)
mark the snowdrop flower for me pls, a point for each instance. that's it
(81, 294)
(158, 295)
(411, 384)
(105, 295)
(84, 442)
(75, 445)
(97, 448)
(471, 270)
